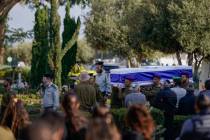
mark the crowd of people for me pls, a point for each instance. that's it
(82, 113)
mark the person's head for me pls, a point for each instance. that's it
(139, 119)
(207, 84)
(103, 112)
(84, 77)
(184, 77)
(70, 103)
(128, 81)
(50, 126)
(99, 66)
(135, 88)
(47, 79)
(99, 129)
(177, 81)
(167, 84)
(7, 83)
(156, 80)
(202, 103)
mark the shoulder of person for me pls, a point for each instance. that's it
(54, 86)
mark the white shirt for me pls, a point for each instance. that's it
(180, 92)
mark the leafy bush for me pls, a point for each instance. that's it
(8, 72)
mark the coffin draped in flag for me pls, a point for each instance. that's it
(144, 75)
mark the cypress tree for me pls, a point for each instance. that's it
(69, 59)
(39, 64)
(57, 53)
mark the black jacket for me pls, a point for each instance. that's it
(187, 104)
(132, 135)
(166, 100)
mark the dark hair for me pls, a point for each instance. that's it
(20, 117)
(156, 76)
(73, 117)
(139, 116)
(177, 81)
(207, 84)
(9, 80)
(49, 75)
(53, 120)
(203, 102)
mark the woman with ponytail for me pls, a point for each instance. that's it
(75, 122)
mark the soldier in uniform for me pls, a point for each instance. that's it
(49, 94)
(7, 95)
(154, 89)
(102, 79)
(185, 80)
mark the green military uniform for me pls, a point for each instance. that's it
(87, 96)
(151, 92)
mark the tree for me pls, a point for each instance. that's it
(57, 53)
(5, 7)
(192, 26)
(40, 49)
(21, 52)
(69, 60)
(107, 28)
(85, 53)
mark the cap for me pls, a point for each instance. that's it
(129, 77)
(99, 63)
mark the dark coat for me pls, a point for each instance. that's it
(166, 100)
(187, 104)
(132, 135)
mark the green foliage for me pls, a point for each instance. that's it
(192, 25)
(69, 59)
(118, 26)
(7, 72)
(85, 53)
(21, 52)
(39, 64)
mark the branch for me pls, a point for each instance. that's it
(50, 61)
(73, 40)
(6, 6)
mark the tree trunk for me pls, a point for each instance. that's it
(2, 35)
(5, 7)
(190, 59)
(179, 59)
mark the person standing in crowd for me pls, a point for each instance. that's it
(207, 88)
(21, 121)
(187, 103)
(92, 80)
(99, 129)
(185, 82)
(86, 93)
(198, 127)
(180, 92)
(155, 88)
(117, 98)
(135, 97)
(7, 95)
(102, 79)
(50, 126)
(74, 121)
(49, 94)
(7, 118)
(166, 100)
(141, 123)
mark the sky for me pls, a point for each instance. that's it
(21, 16)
